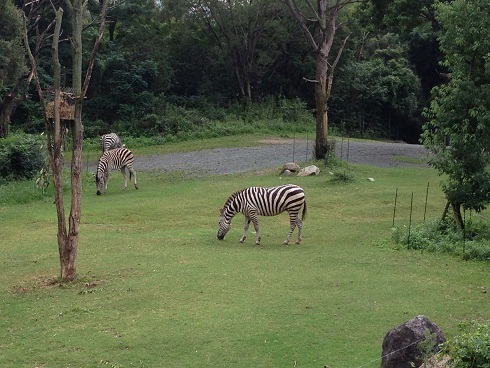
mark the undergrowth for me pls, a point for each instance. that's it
(442, 236)
(471, 348)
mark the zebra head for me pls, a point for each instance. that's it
(101, 180)
(224, 225)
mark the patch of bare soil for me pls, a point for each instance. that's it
(280, 141)
(274, 153)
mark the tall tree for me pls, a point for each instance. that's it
(415, 23)
(12, 61)
(68, 231)
(458, 133)
(320, 24)
(239, 29)
(377, 92)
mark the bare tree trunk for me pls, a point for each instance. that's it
(321, 106)
(67, 239)
(446, 209)
(57, 161)
(458, 219)
(4, 120)
(68, 247)
(326, 18)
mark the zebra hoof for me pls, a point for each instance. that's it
(286, 242)
(298, 242)
(136, 187)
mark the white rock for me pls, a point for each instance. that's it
(309, 170)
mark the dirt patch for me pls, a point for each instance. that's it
(274, 153)
(281, 141)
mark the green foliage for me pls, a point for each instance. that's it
(383, 91)
(427, 346)
(458, 130)
(191, 118)
(342, 177)
(21, 156)
(125, 89)
(471, 348)
(12, 62)
(444, 237)
(189, 56)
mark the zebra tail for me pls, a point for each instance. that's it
(305, 210)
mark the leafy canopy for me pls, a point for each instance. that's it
(458, 132)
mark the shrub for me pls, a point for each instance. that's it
(442, 236)
(21, 156)
(470, 349)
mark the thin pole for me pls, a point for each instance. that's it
(306, 146)
(464, 231)
(394, 207)
(348, 148)
(294, 144)
(426, 197)
(410, 222)
(341, 148)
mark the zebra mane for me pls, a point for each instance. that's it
(232, 197)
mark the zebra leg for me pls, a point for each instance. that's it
(300, 229)
(133, 172)
(256, 226)
(293, 219)
(125, 174)
(245, 229)
(106, 180)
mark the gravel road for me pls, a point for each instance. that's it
(271, 153)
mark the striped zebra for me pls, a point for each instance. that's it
(255, 201)
(115, 159)
(110, 141)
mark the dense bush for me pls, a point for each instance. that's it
(444, 237)
(22, 156)
(184, 119)
(470, 349)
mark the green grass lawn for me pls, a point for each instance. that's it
(157, 289)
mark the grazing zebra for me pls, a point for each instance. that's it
(118, 158)
(110, 141)
(255, 201)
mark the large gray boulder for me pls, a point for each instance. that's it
(400, 345)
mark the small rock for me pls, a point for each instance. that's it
(309, 170)
(291, 166)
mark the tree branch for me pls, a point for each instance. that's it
(302, 21)
(90, 68)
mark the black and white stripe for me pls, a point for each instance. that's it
(255, 201)
(115, 159)
(110, 141)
